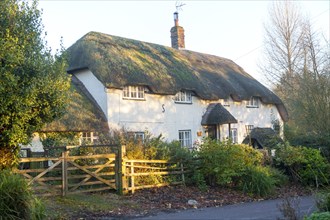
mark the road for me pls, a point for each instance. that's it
(262, 210)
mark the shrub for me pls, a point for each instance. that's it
(302, 164)
(319, 216)
(17, 201)
(323, 200)
(279, 177)
(223, 162)
(257, 180)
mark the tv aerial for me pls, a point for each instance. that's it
(179, 5)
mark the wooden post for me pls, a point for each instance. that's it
(121, 180)
(65, 154)
(182, 173)
(132, 177)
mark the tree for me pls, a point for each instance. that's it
(297, 63)
(33, 83)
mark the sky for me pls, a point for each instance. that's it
(230, 29)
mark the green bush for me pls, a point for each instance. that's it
(302, 164)
(319, 216)
(279, 177)
(323, 200)
(257, 180)
(223, 163)
(17, 201)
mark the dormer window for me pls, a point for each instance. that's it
(133, 92)
(253, 102)
(183, 97)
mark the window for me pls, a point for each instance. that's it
(253, 102)
(185, 138)
(133, 92)
(183, 97)
(88, 138)
(138, 135)
(248, 129)
(233, 135)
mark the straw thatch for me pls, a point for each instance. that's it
(118, 62)
(217, 114)
(82, 115)
(263, 137)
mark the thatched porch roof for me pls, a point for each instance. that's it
(217, 114)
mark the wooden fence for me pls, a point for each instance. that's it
(141, 174)
(68, 174)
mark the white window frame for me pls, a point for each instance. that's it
(183, 97)
(248, 129)
(253, 102)
(134, 92)
(137, 135)
(185, 138)
(89, 137)
(234, 135)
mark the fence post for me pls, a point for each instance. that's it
(182, 173)
(132, 177)
(65, 154)
(121, 180)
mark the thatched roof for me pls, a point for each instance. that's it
(217, 114)
(265, 137)
(118, 62)
(83, 113)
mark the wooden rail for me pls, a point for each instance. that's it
(69, 174)
(161, 170)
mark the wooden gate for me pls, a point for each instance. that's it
(71, 174)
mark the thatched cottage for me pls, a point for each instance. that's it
(181, 94)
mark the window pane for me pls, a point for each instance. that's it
(140, 92)
(185, 138)
(125, 91)
(188, 96)
(183, 96)
(133, 91)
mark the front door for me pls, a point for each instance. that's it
(212, 132)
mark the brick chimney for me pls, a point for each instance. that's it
(177, 33)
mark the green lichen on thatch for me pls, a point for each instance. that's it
(118, 62)
(81, 114)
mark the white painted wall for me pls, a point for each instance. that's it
(35, 145)
(157, 114)
(258, 117)
(95, 87)
(137, 115)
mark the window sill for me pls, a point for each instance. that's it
(135, 99)
(251, 106)
(178, 102)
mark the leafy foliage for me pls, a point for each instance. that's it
(302, 164)
(223, 162)
(319, 216)
(34, 83)
(323, 200)
(17, 201)
(257, 180)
